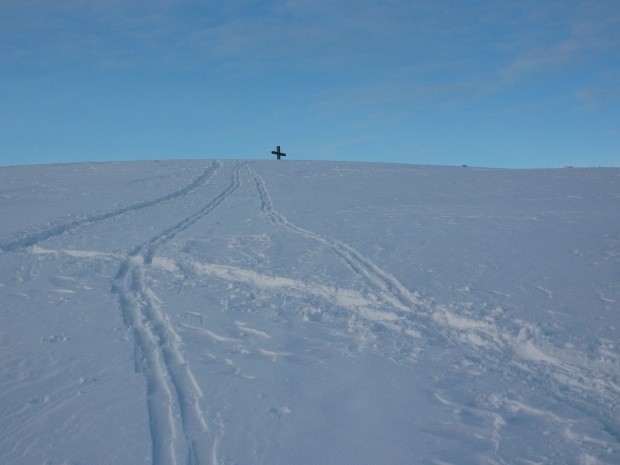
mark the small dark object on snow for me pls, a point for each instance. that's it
(277, 152)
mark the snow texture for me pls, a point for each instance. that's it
(231, 312)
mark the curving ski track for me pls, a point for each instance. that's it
(179, 428)
(176, 420)
(508, 343)
(41, 236)
(148, 249)
(389, 287)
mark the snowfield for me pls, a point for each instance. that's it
(233, 312)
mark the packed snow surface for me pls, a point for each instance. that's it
(230, 312)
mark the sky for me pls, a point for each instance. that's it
(497, 83)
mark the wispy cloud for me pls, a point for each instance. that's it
(604, 89)
(393, 50)
(307, 34)
(580, 35)
(55, 34)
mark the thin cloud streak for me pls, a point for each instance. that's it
(586, 37)
(366, 36)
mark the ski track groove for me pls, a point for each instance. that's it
(411, 309)
(571, 381)
(148, 249)
(162, 423)
(41, 236)
(177, 423)
(390, 288)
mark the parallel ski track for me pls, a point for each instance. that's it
(566, 382)
(148, 249)
(177, 423)
(390, 288)
(54, 231)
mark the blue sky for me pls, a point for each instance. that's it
(492, 83)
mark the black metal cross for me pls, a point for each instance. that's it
(277, 152)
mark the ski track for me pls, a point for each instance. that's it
(176, 420)
(41, 236)
(178, 426)
(148, 250)
(568, 375)
(390, 288)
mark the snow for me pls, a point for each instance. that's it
(247, 312)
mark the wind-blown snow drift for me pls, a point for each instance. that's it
(213, 312)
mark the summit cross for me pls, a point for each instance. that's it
(278, 153)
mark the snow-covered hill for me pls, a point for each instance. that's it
(222, 312)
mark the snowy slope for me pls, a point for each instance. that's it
(223, 312)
